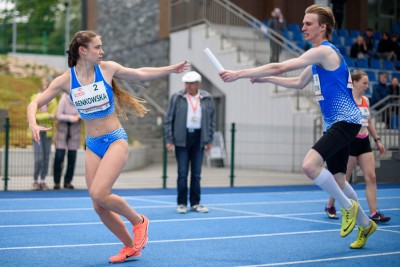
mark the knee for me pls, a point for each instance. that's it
(309, 169)
(370, 178)
(99, 209)
(98, 197)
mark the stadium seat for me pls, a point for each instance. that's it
(368, 92)
(298, 36)
(343, 50)
(388, 65)
(294, 27)
(349, 61)
(337, 40)
(343, 32)
(375, 64)
(349, 41)
(371, 75)
(362, 63)
(377, 36)
(396, 74)
(354, 33)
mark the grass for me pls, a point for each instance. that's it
(15, 94)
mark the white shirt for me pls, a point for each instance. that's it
(193, 119)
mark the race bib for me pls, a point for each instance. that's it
(349, 82)
(317, 88)
(91, 98)
(365, 116)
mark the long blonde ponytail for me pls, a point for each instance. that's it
(125, 101)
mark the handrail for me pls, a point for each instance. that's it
(238, 27)
(386, 99)
(219, 13)
(387, 119)
(141, 94)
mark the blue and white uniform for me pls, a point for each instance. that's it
(342, 117)
(333, 92)
(95, 101)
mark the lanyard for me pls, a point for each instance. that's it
(194, 107)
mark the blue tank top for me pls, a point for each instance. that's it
(333, 92)
(94, 100)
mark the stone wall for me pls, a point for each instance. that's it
(130, 36)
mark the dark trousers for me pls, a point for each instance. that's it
(192, 154)
(275, 51)
(58, 166)
(41, 156)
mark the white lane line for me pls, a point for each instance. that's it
(325, 259)
(174, 240)
(248, 215)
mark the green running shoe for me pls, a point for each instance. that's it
(363, 234)
(349, 219)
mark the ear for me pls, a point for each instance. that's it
(82, 50)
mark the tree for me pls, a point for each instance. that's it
(41, 25)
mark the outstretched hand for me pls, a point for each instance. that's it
(229, 75)
(36, 132)
(181, 67)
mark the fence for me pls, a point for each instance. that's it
(281, 149)
(278, 153)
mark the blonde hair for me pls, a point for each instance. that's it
(125, 101)
(325, 16)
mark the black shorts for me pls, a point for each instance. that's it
(334, 145)
(360, 146)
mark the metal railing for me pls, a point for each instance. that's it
(240, 29)
(386, 114)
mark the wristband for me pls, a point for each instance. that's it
(377, 139)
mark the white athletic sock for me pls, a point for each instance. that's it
(327, 183)
(362, 218)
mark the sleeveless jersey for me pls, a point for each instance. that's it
(333, 92)
(364, 111)
(94, 100)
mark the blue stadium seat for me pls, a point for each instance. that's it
(343, 32)
(362, 63)
(294, 27)
(301, 44)
(368, 92)
(377, 36)
(287, 35)
(371, 75)
(337, 40)
(349, 41)
(298, 36)
(396, 74)
(343, 50)
(375, 64)
(349, 61)
(388, 65)
(397, 65)
(354, 33)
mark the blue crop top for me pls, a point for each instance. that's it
(333, 91)
(94, 100)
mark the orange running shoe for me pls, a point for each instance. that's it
(141, 234)
(126, 253)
